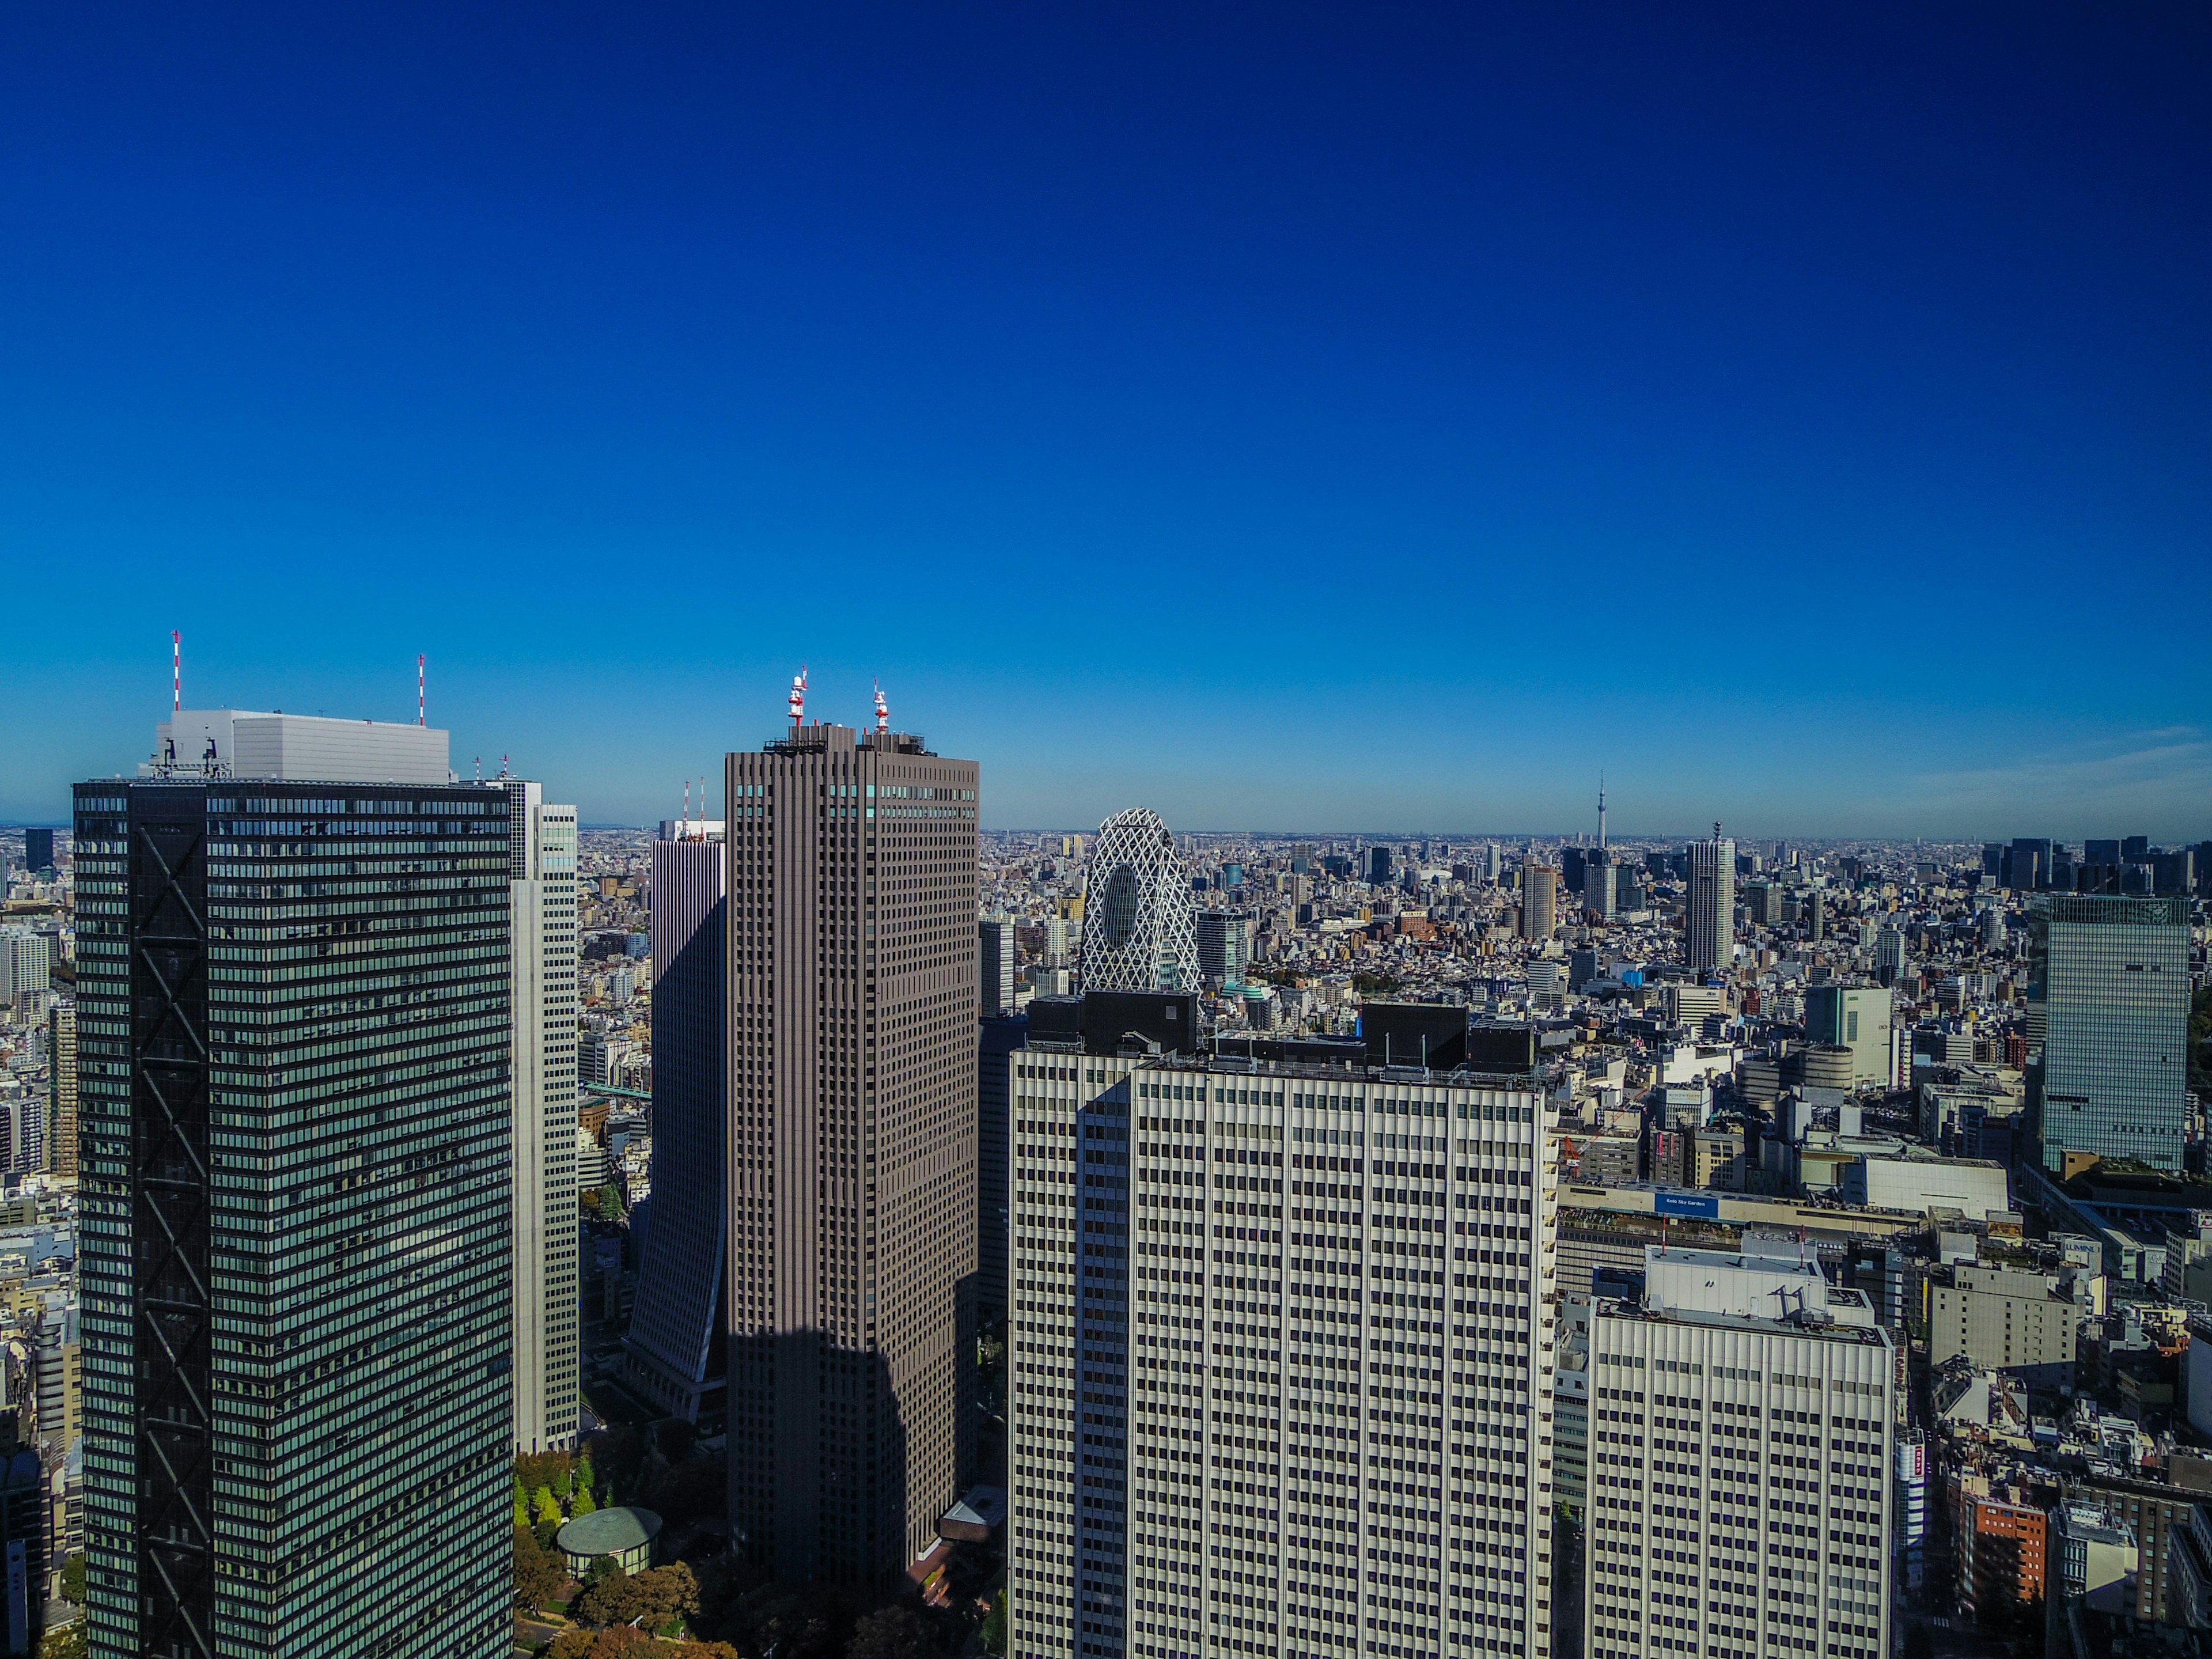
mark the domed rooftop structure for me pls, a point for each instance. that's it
(626, 1534)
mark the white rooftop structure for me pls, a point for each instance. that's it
(237, 742)
(1727, 1282)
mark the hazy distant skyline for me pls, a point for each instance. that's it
(1266, 415)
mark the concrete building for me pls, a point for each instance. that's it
(61, 1101)
(26, 965)
(1710, 936)
(1740, 1441)
(544, 953)
(342, 1312)
(1539, 901)
(1305, 1312)
(2108, 1006)
(2001, 1552)
(2002, 1320)
(1975, 1187)
(1855, 1018)
(995, 962)
(851, 1034)
(677, 1345)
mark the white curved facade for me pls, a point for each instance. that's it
(1137, 933)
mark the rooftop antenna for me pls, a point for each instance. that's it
(422, 702)
(1600, 811)
(503, 772)
(798, 699)
(479, 777)
(176, 671)
(687, 807)
(882, 709)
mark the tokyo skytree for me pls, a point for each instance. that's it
(1137, 933)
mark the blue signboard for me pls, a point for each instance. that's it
(1701, 1205)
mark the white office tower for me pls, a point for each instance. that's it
(995, 963)
(1137, 931)
(1710, 938)
(1741, 1436)
(542, 912)
(1282, 1362)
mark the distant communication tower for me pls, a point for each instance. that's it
(798, 699)
(1137, 928)
(882, 709)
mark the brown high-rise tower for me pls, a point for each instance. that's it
(852, 1147)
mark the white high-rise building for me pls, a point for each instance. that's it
(1137, 931)
(26, 963)
(1710, 938)
(1742, 1427)
(542, 913)
(1282, 1355)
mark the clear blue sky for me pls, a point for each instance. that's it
(1372, 417)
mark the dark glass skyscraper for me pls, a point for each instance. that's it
(293, 1004)
(677, 1350)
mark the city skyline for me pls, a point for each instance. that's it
(1297, 356)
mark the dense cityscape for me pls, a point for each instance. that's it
(834, 1229)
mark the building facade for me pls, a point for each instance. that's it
(1221, 949)
(678, 1348)
(294, 1003)
(1137, 929)
(2108, 1006)
(1709, 935)
(851, 1036)
(545, 952)
(1281, 1362)
(995, 938)
(1000, 1040)
(1539, 901)
(1739, 1499)
(61, 1102)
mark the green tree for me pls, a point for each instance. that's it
(612, 1598)
(563, 1480)
(71, 1641)
(583, 1503)
(546, 1508)
(537, 1576)
(587, 1478)
(993, 1633)
(892, 1634)
(73, 1579)
(665, 1592)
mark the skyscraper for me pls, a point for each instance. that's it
(542, 998)
(1710, 934)
(1137, 933)
(61, 1100)
(295, 1385)
(999, 1042)
(995, 945)
(1539, 890)
(1221, 949)
(852, 1109)
(39, 850)
(1378, 866)
(678, 1347)
(2108, 1004)
(1742, 1426)
(1282, 1363)
(1600, 891)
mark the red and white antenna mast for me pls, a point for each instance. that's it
(798, 699)
(687, 810)
(421, 698)
(882, 709)
(176, 671)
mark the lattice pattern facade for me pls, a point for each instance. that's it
(1137, 928)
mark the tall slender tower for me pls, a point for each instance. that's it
(1137, 931)
(294, 1003)
(851, 1031)
(678, 1350)
(1709, 939)
(541, 923)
